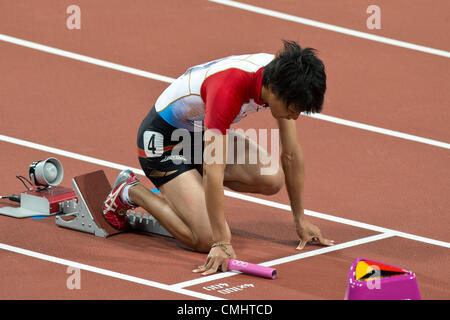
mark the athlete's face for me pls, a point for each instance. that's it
(278, 107)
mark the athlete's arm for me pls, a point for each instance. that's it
(292, 162)
(223, 93)
(213, 174)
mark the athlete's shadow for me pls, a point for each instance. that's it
(266, 236)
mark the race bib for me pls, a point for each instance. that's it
(153, 144)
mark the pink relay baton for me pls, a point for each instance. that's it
(253, 269)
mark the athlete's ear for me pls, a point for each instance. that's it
(291, 108)
(293, 111)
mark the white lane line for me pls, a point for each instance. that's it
(65, 153)
(83, 58)
(328, 217)
(108, 273)
(330, 27)
(283, 260)
(158, 77)
(228, 193)
(387, 132)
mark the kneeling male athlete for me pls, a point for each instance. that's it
(208, 98)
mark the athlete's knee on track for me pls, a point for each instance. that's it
(272, 188)
(270, 184)
(203, 244)
(203, 240)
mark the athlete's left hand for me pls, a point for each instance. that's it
(307, 232)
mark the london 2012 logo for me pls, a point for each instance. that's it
(239, 263)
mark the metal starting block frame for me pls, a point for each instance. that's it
(146, 223)
(85, 212)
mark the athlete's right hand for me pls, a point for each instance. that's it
(307, 232)
(217, 258)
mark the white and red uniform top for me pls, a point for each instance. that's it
(215, 94)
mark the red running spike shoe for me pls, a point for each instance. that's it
(114, 207)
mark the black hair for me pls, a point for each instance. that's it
(297, 77)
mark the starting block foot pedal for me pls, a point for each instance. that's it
(86, 215)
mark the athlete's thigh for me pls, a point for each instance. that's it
(247, 161)
(186, 196)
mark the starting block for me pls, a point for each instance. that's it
(84, 213)
(370, 280)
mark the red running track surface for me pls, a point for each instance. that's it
(368, 177)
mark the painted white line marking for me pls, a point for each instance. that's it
(328, 217)
(330, 27)
(228, 193)
(83, 58)
(67, 154)
(295, 257)
(158, 77)
(108, 273)
(387, 132)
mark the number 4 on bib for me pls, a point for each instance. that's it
(153, 144)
